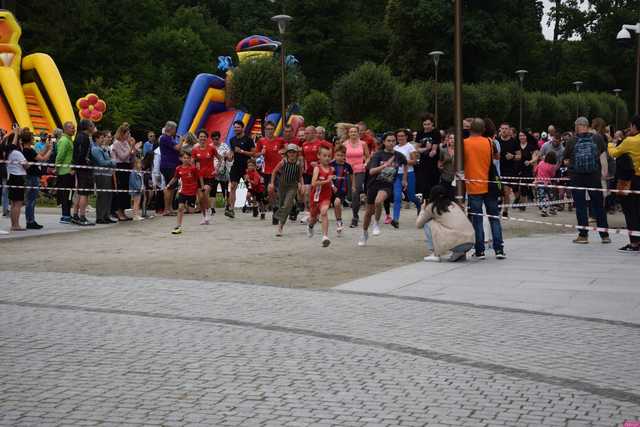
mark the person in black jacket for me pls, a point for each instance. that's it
(84, 177)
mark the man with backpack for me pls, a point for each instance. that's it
(582, 154)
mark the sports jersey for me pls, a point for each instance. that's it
(343, 173)
(188, 176)
(322, 192)
(272, 154)
(203, 156)
(255, 181)
(310, 153)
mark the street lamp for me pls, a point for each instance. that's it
(625, 36)
(436, 54)
(617, 92)
(578, 84)
(457, 96)
(282, 21)
(521, 74)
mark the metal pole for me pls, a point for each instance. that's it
(435, 91)
(521, 89)
(284, 70)
(457, 90)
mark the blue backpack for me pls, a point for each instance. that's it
(585, 155)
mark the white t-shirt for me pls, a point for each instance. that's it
(16, 168)
(406, 150)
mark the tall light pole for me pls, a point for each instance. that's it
(457, 96)
(282, 21)
(578, 84)
(624, 36)
(617, 92)
(521, 74)
(436, 54)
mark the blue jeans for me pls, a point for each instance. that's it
(397, 193)
(596, 203)
(31, 197)
(475, 206)
(5, 196)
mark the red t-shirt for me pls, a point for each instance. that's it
(371, 143)
(255, 181)
(204, 160)
(272, 154)
(310, 153)
(188, 176)
(322, 192)
(293, 140)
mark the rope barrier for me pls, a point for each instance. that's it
(57, 165)
(566, 187)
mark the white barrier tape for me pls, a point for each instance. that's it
(69, 165)
(536, 204)
(571, 226)
(566, 187)
(532, 178)
(27, 187)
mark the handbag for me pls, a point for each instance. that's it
(495, 185)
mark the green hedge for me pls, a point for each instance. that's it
(371, 93)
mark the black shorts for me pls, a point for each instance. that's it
(307, 179)
(168, 174)
(209, 181)
(339, 195)
(373, 189)
(237, 172)
(84, 181)
(186, 200)
(16, 194)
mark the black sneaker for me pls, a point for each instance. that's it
(395, 224)
(255, 212)
(85, 222)
(75, 219)
(354, 223)
(628, 249)
(33, 226)
(500, 254)
(262, 215)
(229, 213)
(477, 256)
(213, 211)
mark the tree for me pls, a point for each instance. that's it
(256, 86)
(316, 108)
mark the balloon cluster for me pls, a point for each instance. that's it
(91, 107)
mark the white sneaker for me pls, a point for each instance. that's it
(309, 231)
(305, 218)
(339, 226)
(363, 239)
(325, 241)
(376, 229)
(204, 221)
(431, 258)
(138, 218)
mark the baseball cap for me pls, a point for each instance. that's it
(582, 121)
(292, 147)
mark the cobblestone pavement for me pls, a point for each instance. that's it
(82, 350)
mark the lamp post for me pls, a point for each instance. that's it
(457, 96)
(625, 36)
(436, 54)
(521, 74)
(282, 21)
(617, 93)
(578, 84)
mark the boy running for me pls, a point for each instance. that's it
(320, 197)
(344, 179)
(203, 155)
(289, 173)
(187, 174)
(255, 186)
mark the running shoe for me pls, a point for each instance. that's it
(325, 241)
(395, 224)
(262, 215)
(387, 219)
(204, 221)
(544, 214)
(478, 256)
(339, 226)
(138, 218)
(500, 254)
(75, 219)
(65, 220)
(363, 240)
(33, 226)
(84, 222)
(229, 213)
(581, 240)
(431, 258)
(628, 249)
(213, 211)
(177, 230)
(376, 229)
(354, 223)
(309, 230)
(305, 218)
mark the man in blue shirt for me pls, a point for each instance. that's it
(151, 144)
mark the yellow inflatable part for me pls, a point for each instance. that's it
(14, 95)
(212, 95)
(53, 84)
(38, 110)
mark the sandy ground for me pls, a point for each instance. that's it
(240, 250)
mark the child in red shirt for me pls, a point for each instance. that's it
(255, 187)
(320, 195)
(187, 174)
(203, 156)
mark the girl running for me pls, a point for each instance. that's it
(357, 156)
(321, 191)
(203, 154)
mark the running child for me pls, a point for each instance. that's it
(187, 174)
(289, 173)
(255, 187)
(203, 155)
(344, 179)
(545, 170)
(320, 197)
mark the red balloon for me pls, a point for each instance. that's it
(83, 103)
(85, 113)
(92, 99)
(96, 115)
(101, 106)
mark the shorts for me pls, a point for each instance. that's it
(16, 194)
(307, 179)
(186, 200)
(237, 172)
(168, 174)
(84, 181)
(339, 195)
(209, 181)
(374, 188)
(314, 207)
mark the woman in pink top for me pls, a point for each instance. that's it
(357, 157)
(123, 152)
(544, 171)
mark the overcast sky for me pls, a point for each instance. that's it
(546, 30)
